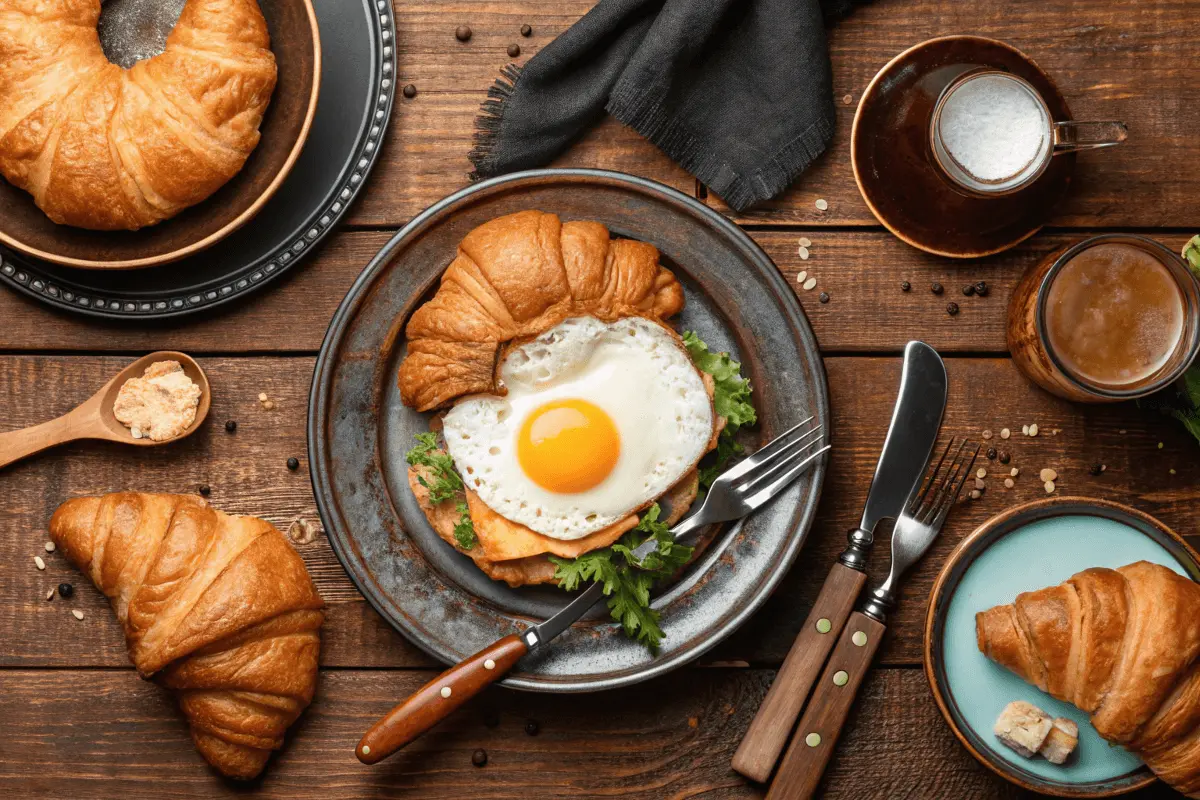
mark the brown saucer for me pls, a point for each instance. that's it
(296, 43)
(893, 166)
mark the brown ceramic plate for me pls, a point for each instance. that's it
(296, 43)
(1029, 547)
(359, 431)
(893, 166)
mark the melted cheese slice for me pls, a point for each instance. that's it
(501, 539)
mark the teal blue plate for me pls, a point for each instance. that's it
(1030, 547)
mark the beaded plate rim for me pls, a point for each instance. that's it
(27, 277)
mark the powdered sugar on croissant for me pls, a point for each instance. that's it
(518, 276)
(218, 608)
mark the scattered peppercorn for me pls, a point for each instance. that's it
(969, 290)
(514, 50)
(936, 288)
(532, 728)
(410, 91)
(293, 464)
(1005, 457)
(204, 489)
(981, 289)
(824, 297)
(526, 31)
(479, 757)
(231, 425)
(1096, 469)
(463, 33)
(905, 286)
(65, 590)
(991, 454)
(952, 308)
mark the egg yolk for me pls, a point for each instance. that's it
(568, 446)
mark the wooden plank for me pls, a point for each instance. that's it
(108, 734)
(247, 474)
(1143, 68)
(860, 270)
(1108, 65)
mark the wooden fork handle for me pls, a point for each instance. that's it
(768, 732)
(822, 723)
(434, 701)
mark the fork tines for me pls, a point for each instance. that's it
(942, 487)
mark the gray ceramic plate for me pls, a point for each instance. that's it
(358, 433)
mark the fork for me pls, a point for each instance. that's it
(917, 526)
(735, 493)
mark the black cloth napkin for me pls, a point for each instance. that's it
(738, 92)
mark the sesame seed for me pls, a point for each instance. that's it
(1048, 475)
(76, 613)
(49, 547)
(262, 397)
(1009, 483)
(1049, 486)
(809, 284)
(981, 473)
(803, 253)
(847, 99)
(802, 276)
(1025, 429)
(268, 405)
(1033, 429)
(1014, 472)
(822, 205)
(50, 595)
(38, 561)
(987, 434)
(975, 494)
(1172, 471)
(1160, 445)
(1005, 433)
(805, 242)
(980, 484)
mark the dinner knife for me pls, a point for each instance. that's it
(916, 419)
(737, 492)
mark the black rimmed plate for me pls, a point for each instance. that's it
(357, 89)
(358, 433)
(1026, 548)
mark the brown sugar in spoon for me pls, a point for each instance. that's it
(94, 418)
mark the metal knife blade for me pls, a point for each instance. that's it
(916, 419)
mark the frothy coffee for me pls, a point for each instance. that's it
(995, 129)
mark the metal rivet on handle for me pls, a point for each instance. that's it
(489, 664)
(824, 625)
(445, 691)
(813, 739)
(366, 750)
(840, 677)
(859, 638)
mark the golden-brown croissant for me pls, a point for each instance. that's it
(518, 276)
(217, 608)
(107, 148)
(1121, 645)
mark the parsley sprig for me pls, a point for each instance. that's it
(731, 400)
(625, 579)
(444, 483)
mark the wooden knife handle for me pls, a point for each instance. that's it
(768, 733)
(434, 701)
(818, 732)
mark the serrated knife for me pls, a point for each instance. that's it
(916, 419)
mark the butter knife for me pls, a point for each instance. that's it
(916, 419)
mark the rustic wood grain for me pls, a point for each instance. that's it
(1143, 68)
(247, 474)
(861, 271)
(109, 734)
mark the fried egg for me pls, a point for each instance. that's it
(600, 419)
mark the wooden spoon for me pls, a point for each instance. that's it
(94, 418)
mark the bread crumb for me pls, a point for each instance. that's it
(76, 613)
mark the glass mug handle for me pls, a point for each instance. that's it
(1070, 137)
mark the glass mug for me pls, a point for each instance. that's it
(992, 133)
(1077, 329)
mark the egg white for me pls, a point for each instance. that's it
(636, 372)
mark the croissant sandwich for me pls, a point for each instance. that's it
(107, 148)
(526, 289)
(1122, 645)
(219, 609)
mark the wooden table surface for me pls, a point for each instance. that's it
(77, 722)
